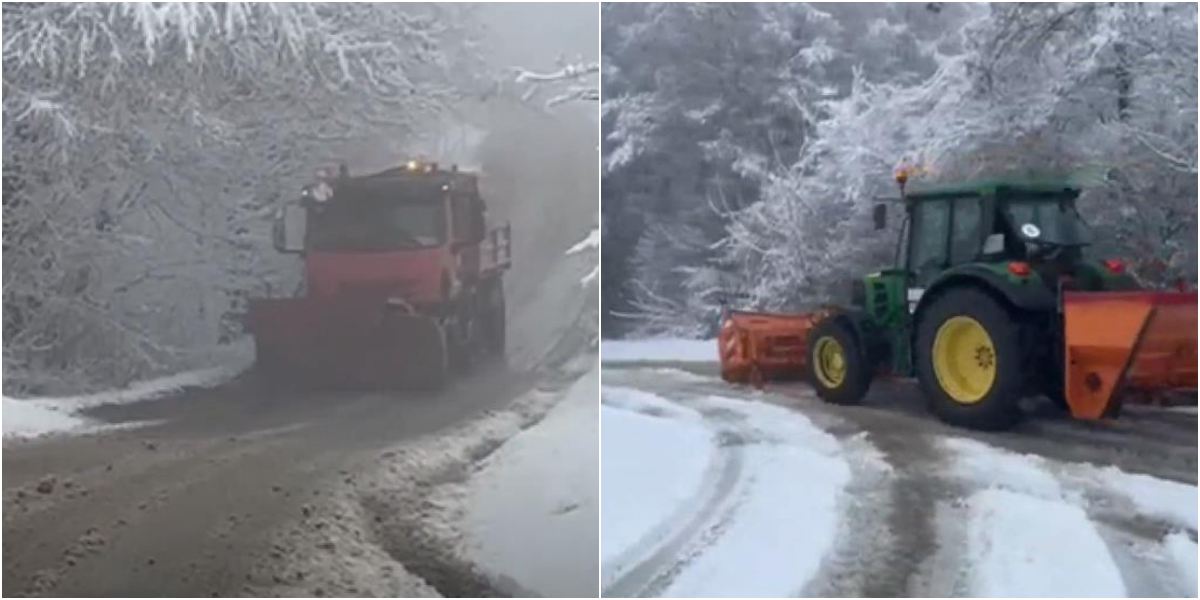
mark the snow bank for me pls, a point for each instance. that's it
(658, 349)
(31, 417)
(1024, 546)
(654, 466)
(532, 506)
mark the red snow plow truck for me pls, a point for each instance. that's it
(403, 276)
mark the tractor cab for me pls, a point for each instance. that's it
(1024, 240)
(1034, 224)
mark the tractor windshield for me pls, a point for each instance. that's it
(378, 216)
(1048, 220)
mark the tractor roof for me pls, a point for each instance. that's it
(932, 191)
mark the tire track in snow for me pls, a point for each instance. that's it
(722, 520)
(906, 534)
(1123, 543)
(656, 570)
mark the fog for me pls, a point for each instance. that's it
(163, 185)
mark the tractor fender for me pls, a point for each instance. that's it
(860, 323)
(1027, 294)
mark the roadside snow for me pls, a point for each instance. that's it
(1024, 546)
(1032, 522)
(1169, 500)
(998, 468)
(1182, 551)
(656, 454)
(532, 506)
(715, 496)
(32, 417)
(658, 349)
(790, 467)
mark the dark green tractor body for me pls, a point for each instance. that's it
(1007, 249)
(992, 298)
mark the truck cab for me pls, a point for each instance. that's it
(414, 232)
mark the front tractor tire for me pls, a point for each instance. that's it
(969, 360)
(837, 362)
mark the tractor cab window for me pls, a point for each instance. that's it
(927, 239)
(965, 237)
(1047, 220)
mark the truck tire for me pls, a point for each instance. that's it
(494, 327)
(969, 360)
(837, 363)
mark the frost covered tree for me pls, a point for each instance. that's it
(964, 92)
(571, 82)
(700, 100)
(147, 145)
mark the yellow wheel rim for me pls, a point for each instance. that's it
(830, 363)
(964, 360)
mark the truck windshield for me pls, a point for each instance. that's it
(377, 216)
(1048, 220)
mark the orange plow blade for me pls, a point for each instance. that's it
(755, 347)
(1118, 342)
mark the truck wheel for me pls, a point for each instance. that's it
(493, 321)
(969, 360)
(837, 363)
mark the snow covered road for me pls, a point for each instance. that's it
(713, 490)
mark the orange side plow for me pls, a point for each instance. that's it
(755, 347)
(1117, 342)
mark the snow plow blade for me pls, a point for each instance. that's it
(1126, 344)
(756, 347)
(347, 342)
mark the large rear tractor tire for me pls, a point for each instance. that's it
(837, 363)
(969, 360)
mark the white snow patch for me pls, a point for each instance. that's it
(1023, 546)
(995, 467)
(32, 417)
(790, 467)
(653, 468)
(29, 418)
(591, 242)
(1169, 500)
(659, 349)
(663, 463)
(636, 400)
(1182, 551)
(532, 506)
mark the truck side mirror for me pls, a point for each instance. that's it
(289, 229)
(880, 215)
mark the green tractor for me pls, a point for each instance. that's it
(992, 298)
